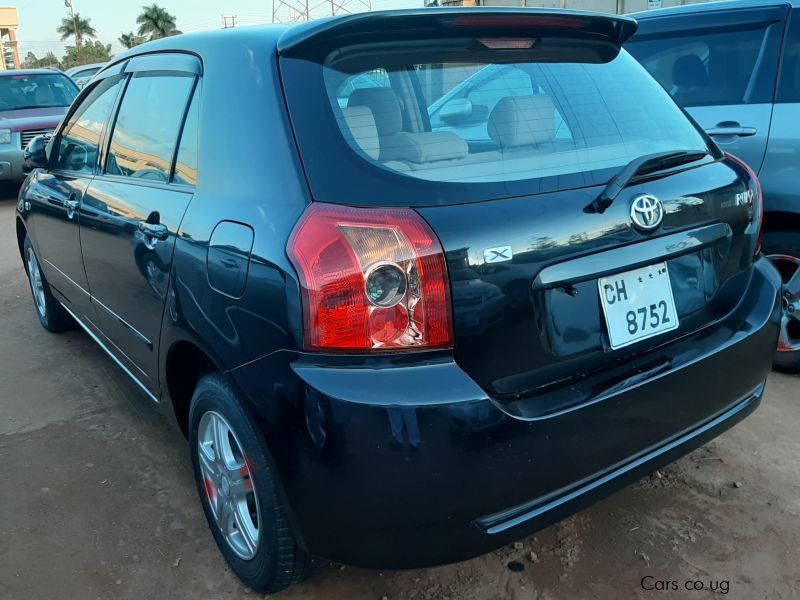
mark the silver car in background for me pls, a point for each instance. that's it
(82, 74)
(735, 67)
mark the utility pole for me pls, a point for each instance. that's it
(225, 21)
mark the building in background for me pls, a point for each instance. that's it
(9, 21)
(607, 6)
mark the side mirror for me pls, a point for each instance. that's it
(456, 112)
(35, 154)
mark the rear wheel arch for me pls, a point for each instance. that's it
(185, 365)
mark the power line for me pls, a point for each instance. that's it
(288, 11)
(226, 20)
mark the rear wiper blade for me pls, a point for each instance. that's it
(638, 166)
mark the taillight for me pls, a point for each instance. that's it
(371, 278)
(755, 200)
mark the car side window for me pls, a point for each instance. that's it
(76, 147)
(147, 125)
(715, 68)
(186, 161)
(789, 84)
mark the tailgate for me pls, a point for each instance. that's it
(531, 320)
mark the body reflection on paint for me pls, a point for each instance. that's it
(404, 425)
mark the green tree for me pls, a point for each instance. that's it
(81, 28)
(129, 40)
(155, 22)
(93, 52)
(32, 61)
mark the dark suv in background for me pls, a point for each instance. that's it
(735, 67)
(400, 333)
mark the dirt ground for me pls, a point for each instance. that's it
(97, 500)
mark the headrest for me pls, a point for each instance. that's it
(689, 71)
(425, 147)
(522, 121)
(385, 107)
(361, 124)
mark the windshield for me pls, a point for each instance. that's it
(489, 128)
(36, 91)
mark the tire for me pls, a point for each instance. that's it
(783, 249)
(52, 315)
(269, 561)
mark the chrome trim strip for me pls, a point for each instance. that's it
(631, 256)
(517, 515)
(136, 333)
(114, 358)
(67, 277)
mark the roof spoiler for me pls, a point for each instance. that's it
(451, 22)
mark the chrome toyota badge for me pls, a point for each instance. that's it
(647, 212)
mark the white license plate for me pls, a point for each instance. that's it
(637, 304)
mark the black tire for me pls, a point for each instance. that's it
(52, 315)
(783, 249)
(278, 562)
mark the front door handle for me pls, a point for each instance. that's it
(154, 231)
(733, 130)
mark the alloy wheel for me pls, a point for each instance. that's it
(228, 485)
(789, 268)
(37, 284)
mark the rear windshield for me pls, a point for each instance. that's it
(409, 125)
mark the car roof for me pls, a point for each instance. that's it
(710, 7)
(13, 72)
(84, 67)
(286, 36)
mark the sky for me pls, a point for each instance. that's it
(40, 18)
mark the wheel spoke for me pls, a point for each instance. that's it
(220, 441)
(207, 460)
(792, 286)
(245, 527)
(224, 515)
(785, 342)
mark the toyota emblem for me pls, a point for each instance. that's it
(647, 212)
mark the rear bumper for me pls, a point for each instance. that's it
(405, 462)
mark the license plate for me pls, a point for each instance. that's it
(637, 304)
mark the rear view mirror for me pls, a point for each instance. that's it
(456, 112)
(35, 154)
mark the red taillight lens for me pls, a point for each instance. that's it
(372, 278)
(756, 198)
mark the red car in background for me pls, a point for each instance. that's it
(32, 102)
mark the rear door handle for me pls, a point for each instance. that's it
(737, 131)
(71, 204)
(154, 231)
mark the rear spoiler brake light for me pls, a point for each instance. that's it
(450, 22)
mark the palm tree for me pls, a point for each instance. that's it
(129, 40)
(156, 22)
(81, 28)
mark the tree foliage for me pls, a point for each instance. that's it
(156, 22)
(93, 52)
(130, 40)
(31, 61)
(84, 28)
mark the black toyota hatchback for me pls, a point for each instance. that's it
(414, 284)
